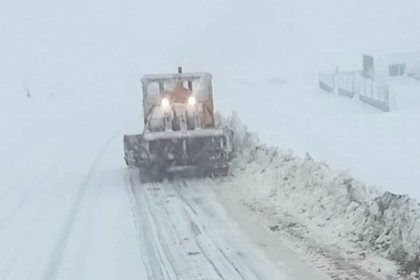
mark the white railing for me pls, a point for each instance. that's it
(326, 81)
(373, 93)
(346, 83)
(353, 85)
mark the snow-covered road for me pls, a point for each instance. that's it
(180, 236)
(69, 209)
(185, 233)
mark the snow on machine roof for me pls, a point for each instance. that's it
(185, 76)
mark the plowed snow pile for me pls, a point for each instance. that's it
(310, 199)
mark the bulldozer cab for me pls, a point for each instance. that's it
(178, 88)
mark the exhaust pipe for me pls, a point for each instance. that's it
(189, 82)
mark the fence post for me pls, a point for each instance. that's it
(353, 85)
(371, 91)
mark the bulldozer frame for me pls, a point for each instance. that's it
(196, 145)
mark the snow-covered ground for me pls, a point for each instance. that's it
(379, 148)
(70, 209)
(67, 207)
(68, 199)
(341, 224)
(191, 236)
(63, 215)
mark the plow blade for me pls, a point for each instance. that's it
(157, 154)
(206, 152)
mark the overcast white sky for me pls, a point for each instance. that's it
(88, 47)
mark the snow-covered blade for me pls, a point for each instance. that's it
(207, 151)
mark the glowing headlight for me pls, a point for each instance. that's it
(192, 100)
(164, 102)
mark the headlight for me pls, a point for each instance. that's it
(192, 100)
(164, 102)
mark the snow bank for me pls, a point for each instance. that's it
(312, 197)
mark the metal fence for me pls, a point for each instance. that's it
(326, 81)
(353, 85)
(346, 84)
(373, 93)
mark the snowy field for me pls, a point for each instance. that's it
(61, 214)
(379, 148)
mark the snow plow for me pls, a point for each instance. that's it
(179, 132)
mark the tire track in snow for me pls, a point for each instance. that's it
(195, 208)
(182, 263)
(53, 269)
(155, 260)
(174, 240)
(203, 268)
